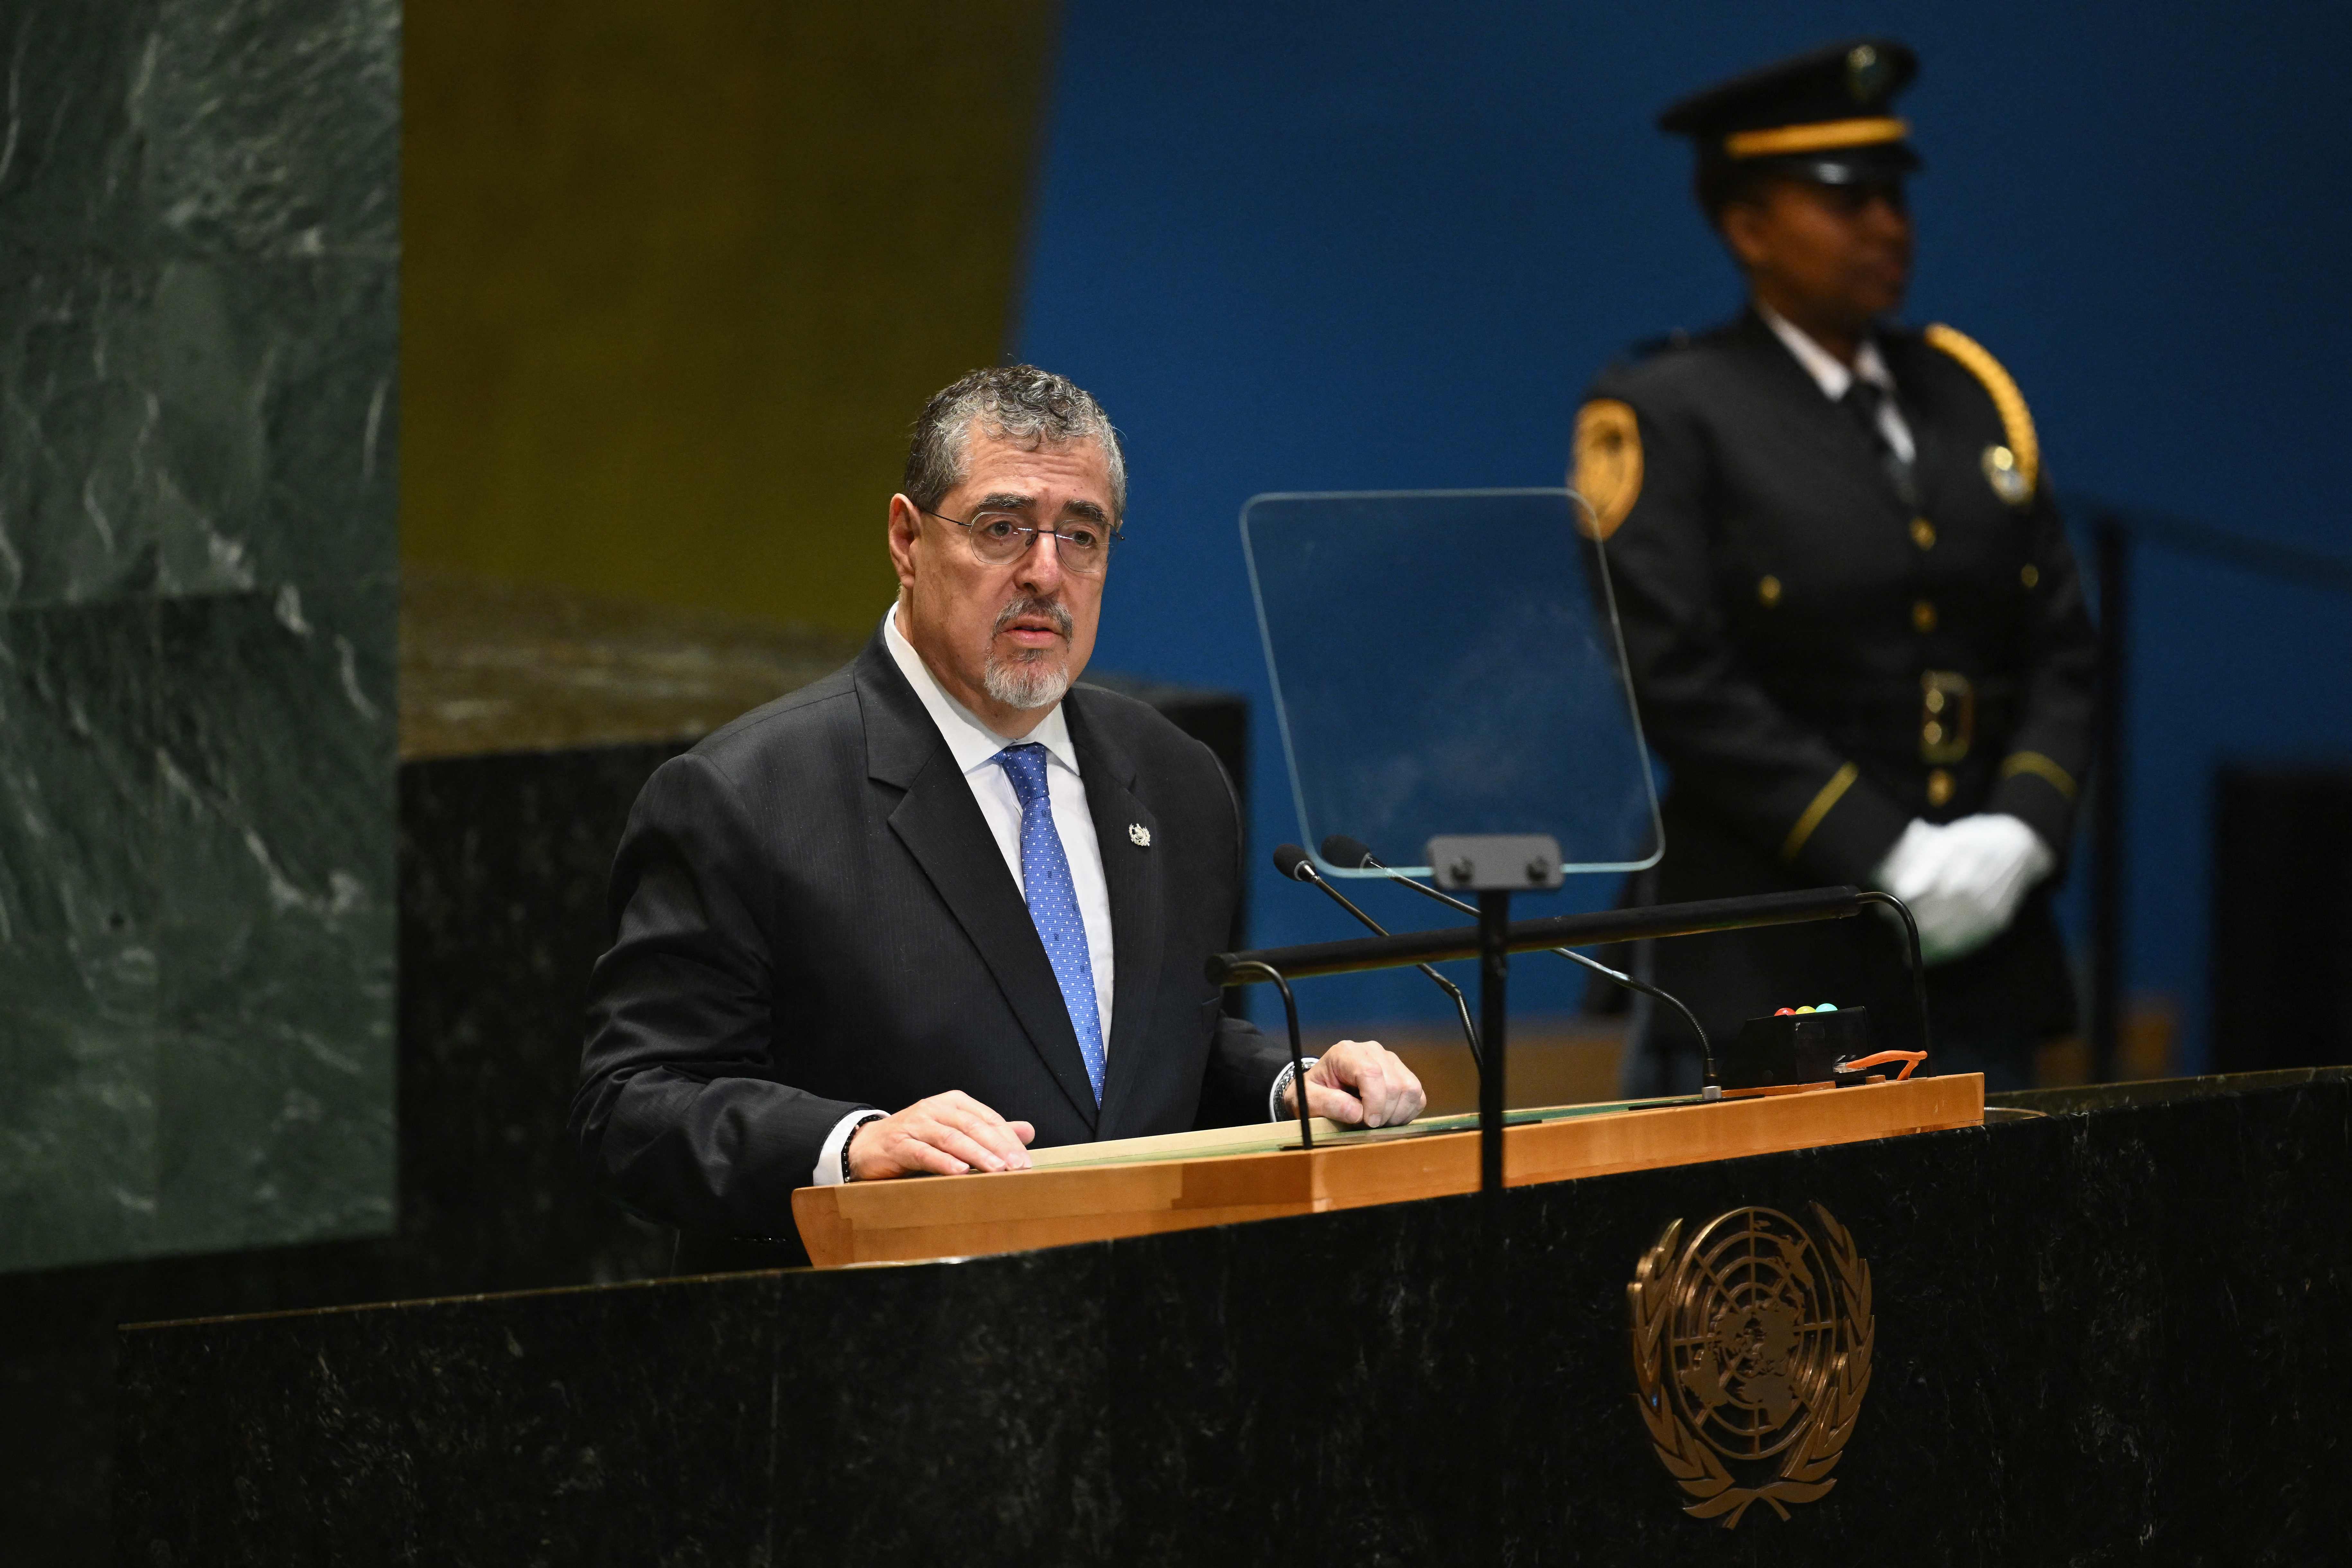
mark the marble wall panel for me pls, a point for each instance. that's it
(277, 919)
(196, 426)
(70, 165)
(199, 325)
(270, 125)
(78, 972)
(196, 923)
(246, 127)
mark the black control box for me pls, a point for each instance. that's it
(1798, 1047)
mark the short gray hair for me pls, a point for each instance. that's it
(1016, 403)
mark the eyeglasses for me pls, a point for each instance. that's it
(998, 537)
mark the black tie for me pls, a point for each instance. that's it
(1863, 399)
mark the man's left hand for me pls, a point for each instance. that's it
(1359, 1083)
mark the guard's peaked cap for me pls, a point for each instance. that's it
(1827, 113)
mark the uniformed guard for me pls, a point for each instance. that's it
(1855, 629)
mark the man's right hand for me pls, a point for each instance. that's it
(946, 1136)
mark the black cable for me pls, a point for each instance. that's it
(1341, 850)
(1293, 863)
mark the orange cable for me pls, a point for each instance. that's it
(1909, 1060)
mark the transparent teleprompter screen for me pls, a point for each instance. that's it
(1447, 662)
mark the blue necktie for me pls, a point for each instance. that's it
(1054, 902)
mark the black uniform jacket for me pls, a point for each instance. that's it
(1820, 661)
(813, 916)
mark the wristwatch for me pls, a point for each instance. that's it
(1274, 1112)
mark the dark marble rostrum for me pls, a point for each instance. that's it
(2102, 1337)
(503, 862)
(530, 719)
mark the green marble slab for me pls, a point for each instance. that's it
(237, 128)
(79, 978)
(196, 426)
(199, 431)
(197, 890)
(276, 917)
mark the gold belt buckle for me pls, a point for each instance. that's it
(1947, 717)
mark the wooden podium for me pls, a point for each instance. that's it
(1092, 1191)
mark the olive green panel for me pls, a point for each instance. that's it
(678, 279)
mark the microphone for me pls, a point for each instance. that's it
(1293, 863)
(1341, 850)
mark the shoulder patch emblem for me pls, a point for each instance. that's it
(1608, 472)
(2014, 472)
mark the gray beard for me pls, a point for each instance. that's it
(1029, 682)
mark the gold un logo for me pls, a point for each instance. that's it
(1751, 1353)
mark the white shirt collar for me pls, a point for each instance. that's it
(1821, 365)
(973, 743)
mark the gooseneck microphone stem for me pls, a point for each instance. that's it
(1298, 1060)
(1292, 862)
(1363, 856)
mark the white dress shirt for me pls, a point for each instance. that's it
(974, 747)
(1834, 378)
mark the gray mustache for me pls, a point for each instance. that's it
(1049, 608)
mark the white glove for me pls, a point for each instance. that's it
(1963, 880)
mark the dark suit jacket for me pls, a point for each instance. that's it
(1780, 602)
(813, 916)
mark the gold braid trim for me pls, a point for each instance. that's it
(1832, 792)
(2015, 418)
(2040, 767)
(1819, 136)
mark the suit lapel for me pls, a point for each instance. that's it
(1131, 872)
(940, 824)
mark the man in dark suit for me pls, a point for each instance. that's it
(1856, 632)
(941, 904)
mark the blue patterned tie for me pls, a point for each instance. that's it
(1054, 902)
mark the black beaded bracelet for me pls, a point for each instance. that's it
(852, 1138)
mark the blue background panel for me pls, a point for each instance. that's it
(1311, 246)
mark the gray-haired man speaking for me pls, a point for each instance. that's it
(941, 904)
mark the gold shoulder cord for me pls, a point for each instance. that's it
(2015, 419)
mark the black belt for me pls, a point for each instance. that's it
(1947, 715)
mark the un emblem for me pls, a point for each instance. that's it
(1751, 1353)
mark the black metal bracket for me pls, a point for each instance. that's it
(1309, 960)
(1496, 935)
